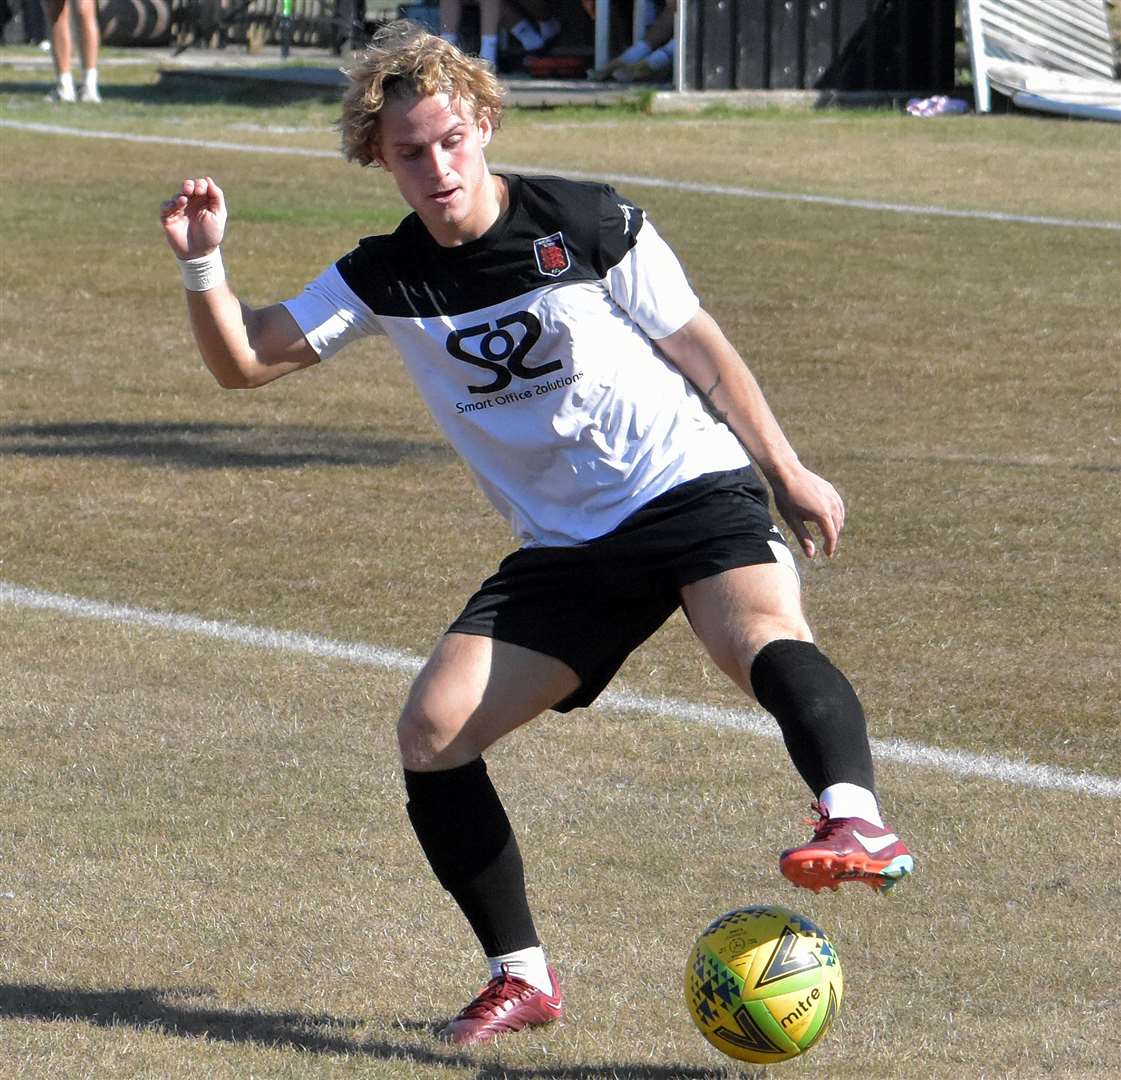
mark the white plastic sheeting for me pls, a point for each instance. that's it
(1061, 47)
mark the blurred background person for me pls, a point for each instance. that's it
(650, 59)
(530, 22)
(58, 15)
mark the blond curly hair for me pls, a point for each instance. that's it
(403, 60)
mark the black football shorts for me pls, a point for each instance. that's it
(591, 605)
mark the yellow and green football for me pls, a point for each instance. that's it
(763, 984)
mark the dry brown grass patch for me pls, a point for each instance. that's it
(211, 870)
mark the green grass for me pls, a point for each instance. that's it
(210, 866)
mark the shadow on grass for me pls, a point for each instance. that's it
(167, 1011)
(210, 445)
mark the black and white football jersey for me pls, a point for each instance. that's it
(534, 348)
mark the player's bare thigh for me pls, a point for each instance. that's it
(739, 611)
(471, 692)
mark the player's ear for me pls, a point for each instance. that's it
(486, 129)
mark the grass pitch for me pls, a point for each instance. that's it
(205, 866)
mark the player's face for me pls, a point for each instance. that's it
(433, 148)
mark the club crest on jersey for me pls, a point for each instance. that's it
(552, 255)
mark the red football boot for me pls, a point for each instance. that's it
(847, 849)
(507, 1003)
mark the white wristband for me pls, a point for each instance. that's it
(202, 273)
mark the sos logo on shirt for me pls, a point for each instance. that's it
(501, 348)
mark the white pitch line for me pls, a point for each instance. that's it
(751, 721)
(624, 179)
(168, 140)
(241, 634)
(825, 200)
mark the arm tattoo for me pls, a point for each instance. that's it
(717, 413)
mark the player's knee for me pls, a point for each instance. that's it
(777, 629)
(418, 736)
(736, 655)
(425, 734)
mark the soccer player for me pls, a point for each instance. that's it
(558, 344)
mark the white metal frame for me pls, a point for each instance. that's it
(981, 91)
(679, 51)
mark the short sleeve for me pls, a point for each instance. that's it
(646, 279)
(331, 315)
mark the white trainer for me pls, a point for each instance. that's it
(62, 94)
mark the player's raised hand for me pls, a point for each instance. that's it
(807, 497)
(194, 221)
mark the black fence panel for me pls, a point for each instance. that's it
(820, 45)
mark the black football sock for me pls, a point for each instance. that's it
(818, 711)
(466, 836)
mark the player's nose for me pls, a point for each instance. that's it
(438, 161)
